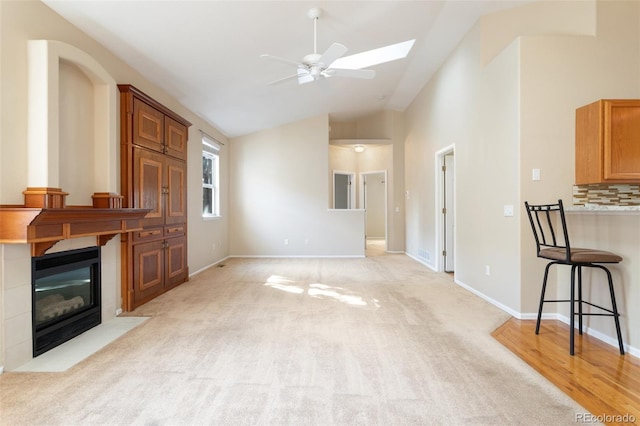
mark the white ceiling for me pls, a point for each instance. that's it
(207, 53)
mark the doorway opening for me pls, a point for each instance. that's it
(344, 194)
(373, 199)
(445, 209)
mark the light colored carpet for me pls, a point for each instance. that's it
(373, 341)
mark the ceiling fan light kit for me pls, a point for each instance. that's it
(315, 66)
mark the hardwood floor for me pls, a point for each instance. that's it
(604, 382)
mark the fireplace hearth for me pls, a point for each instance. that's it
(65, 296)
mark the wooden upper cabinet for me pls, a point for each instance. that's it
(608, 142)
(148, 126)
(153, 125)
(176, 138)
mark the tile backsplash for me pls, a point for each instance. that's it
(607, 195)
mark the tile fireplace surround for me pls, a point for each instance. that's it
(16, 296)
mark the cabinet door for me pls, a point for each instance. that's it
(148, 126)
(176, 138)
(622, 140)
(176, 267)
(149, 185)
(176, 208)
(148, 270)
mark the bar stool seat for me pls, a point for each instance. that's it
(552, 243)
(580, 255)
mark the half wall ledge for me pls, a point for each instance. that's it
(44, 219)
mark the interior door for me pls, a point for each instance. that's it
(375, 204)
(449, 231)
(342, 190)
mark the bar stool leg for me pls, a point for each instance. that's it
(615, 310)
(580, 299)
(572, 309)
(544, 288)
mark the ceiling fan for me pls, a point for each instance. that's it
(315, 66)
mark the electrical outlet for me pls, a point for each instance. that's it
(487, 270)
(286, 241)
(306, 241)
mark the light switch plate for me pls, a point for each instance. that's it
(508, 210)
(535, 174)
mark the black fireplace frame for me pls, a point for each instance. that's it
(49, 335)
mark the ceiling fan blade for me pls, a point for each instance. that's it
(281, 80)
(335, 51)
(343, 72)
(279, 59)
(375, 56)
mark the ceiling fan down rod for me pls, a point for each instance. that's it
(314, 13)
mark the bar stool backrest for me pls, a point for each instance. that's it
(548, 233)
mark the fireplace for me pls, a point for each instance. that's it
(65, 296)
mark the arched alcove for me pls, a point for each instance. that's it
(46, 60)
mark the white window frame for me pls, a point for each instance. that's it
(211, 150)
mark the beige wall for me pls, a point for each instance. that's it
(21, 21)
(506, 99)
(280, 191)
(475, 109)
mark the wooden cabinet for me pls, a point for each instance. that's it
(153, 176)
(608, 142)
(159, 184)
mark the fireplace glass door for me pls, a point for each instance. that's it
(66, 296)
(62, 295)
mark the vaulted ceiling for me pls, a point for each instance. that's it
(207, 53)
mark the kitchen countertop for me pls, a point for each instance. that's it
(603, 209)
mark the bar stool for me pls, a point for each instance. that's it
(554, 246)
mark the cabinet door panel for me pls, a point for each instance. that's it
(177, 270)
(148, 270)
(177, 196)
(148, 126)
(622, 140)
(176, 138)
(148, 185)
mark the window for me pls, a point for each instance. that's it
(210, 178)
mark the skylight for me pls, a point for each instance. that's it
(375, 56)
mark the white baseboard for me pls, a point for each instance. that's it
(286, 256)
(199, 271)
(494, 302)
(417, 259)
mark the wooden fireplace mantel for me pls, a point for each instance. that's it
(44, 219)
